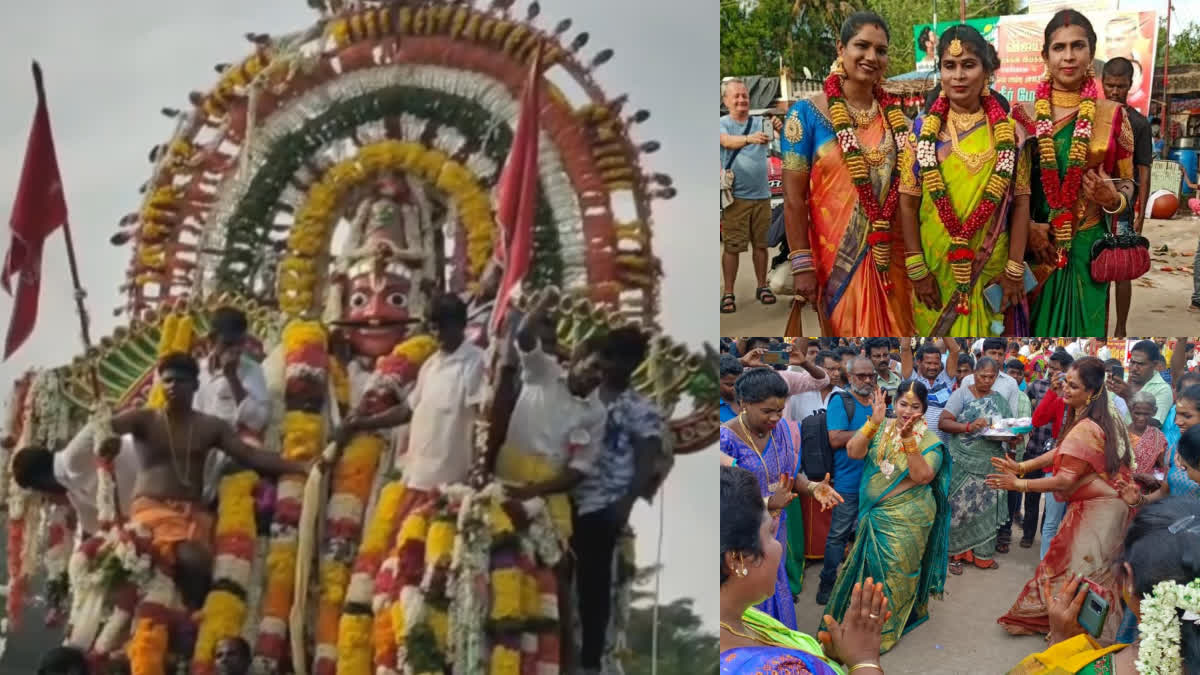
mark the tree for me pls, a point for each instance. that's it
(902, 15)
(1185, 48)
(684, 648)
(758, 37)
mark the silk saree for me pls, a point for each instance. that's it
(1068, 301)
(1080, 655)
(976, 510)
(901, 540)
(793, 652)
(777, 456)
(965, 182)
(851, 298)
(1089, 539)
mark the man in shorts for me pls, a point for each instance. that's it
(748, 218)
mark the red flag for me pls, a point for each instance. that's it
(518, 196)
(39, 209)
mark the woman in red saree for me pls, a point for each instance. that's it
(1092, 474)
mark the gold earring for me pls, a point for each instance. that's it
(1046, 75)
(838, 68)
(1091, 72)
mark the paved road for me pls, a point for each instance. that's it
(961, 635)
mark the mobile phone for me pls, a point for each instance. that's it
(993, 294)
(774, 357)
(1094, 612)
(1118, 372)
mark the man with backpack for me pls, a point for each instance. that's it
(846, 414)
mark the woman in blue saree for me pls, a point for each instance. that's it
(761, 441)
(903, 514)
(752, 642)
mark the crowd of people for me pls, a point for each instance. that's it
(900, 461)
(979, 217)
(570, 429)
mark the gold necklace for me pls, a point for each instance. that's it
(879, 154)
(772, 487)
(184, 478)
(749, 637)
(864, 118)
(1060, 98)
(965, 122)
(974, 161)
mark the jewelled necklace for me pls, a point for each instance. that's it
(772, 486)
(965, 122)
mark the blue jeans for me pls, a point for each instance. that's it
(845, 522)
(1054, 515)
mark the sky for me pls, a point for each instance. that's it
(109, 68)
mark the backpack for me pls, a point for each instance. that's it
(816, 453)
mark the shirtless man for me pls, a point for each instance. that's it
(172, 447)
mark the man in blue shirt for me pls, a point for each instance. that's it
(862, 380)
(927, 368)
(731, 367)
(746, 221)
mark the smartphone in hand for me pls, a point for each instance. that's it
(1094, 612)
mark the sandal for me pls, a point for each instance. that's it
(765, 296)
(1002, 548)
(728, 303)
(988, 564)
(956, 567)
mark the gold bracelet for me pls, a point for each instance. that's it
(910, 446)
(1020, 469)
(868, 429)
(1124, 203)
(1023, 484)
(858, 666)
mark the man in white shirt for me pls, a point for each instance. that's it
(72, 472)
(1005, 385)
(441, 410)
(232, 387)
(806, 403)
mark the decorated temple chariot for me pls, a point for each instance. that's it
(331, 185)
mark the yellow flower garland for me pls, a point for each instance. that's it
(297, 278)
(505, 661)
(354, 645)
(440, 543)
(224, 612)
(375, 539)
(301, 435)
(439, 621)
(176, 336)
(147, 648)
(501, 524)
(506, 594)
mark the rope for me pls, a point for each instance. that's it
(662, 509)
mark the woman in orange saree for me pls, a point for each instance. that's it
(1092, 474)
(840, 179)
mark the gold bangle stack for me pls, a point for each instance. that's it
(910, 446)
(915, 266)
(868, 429)
(1015, 270)
(1020, 469)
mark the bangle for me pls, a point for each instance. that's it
(812, 488)
(858, 666)
(1020, 469)
(915, 266)
(1015, 270)
(868, 429)
(802, 261)
(1121, 207)
(1023, 484)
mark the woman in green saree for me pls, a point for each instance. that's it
(957, 190)
(1080, 143)
(976, 511)
(903, 517)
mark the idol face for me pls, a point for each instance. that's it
(377, 312)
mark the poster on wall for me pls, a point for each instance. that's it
(1130, 34)
(1085, 6)
(926, 35)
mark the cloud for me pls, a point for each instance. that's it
(109, 67)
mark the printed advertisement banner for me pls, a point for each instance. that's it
(1085, 6)
(925, 38)
(1131, 34)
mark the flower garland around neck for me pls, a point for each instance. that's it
(961, 256)
(1061, 192)
(878, 213)
(1158, 651)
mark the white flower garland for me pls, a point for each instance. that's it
(469, 567)
(1158, 651)
(51, 411)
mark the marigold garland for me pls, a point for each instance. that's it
(879, 215)
(1062, 193)
(224, 612)
(148, 649)
(961, 256)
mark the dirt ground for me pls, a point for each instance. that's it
(961, 635)
(1160, 298)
